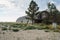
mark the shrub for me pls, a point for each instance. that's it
(22, 26)
(42, 27)
(6, 25)
(56, 30)
(4, 28)
(15, 30)
(47, 30)
(50, 27)
(45, 27)
(19, 25)
(58, 27)
(30, 27)
(42, 24)
(14, 26)
(39, 28)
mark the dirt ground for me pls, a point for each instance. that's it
(29, 35)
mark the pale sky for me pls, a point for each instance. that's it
(10, 10)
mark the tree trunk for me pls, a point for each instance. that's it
(32, 21)
(27, 21)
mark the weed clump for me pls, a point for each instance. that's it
(4, 28)
(30, 27)
(15, 30)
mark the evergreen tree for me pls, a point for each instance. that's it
(53, 10)
(32, 10)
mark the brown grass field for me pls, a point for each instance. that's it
(29, 35)
(33, 34)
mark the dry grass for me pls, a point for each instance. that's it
(29, 35)
(34, 34)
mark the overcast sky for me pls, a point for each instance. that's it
(10, 10)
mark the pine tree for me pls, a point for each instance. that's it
(32, 10)
(53, 10)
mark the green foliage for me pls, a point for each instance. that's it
(21, 26)
(51, 27)
(32, 10)
(16, 27)
(47, 30)
(56, 30)
(39, 28)
(53, 11)
(58, 26)
(15, 30)
(6, 25)
(45, 27)
(30, 28)
(42, 26)
(4, 28)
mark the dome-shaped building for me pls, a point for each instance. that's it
(23, 19)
